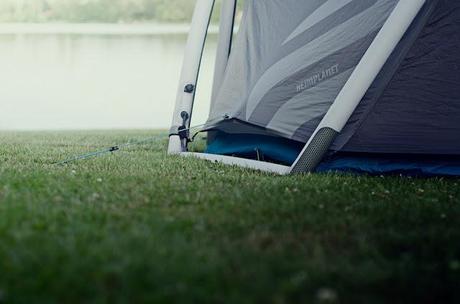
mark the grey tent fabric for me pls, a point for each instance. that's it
(292, 57)
(419, 110)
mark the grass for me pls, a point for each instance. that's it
(138, 226)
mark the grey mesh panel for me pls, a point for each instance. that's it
(315, 151)
(284, 43)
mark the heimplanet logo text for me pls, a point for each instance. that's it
(317, 78)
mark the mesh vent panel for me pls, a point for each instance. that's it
(315, 152)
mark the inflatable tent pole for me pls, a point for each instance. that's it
(360, 81)
(190, 70)
(189, 76)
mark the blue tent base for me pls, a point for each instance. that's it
(284, 151)
(262, 147)
(392, 165)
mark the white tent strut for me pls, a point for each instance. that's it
(360, 81)
(190, 70)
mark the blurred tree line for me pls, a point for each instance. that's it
(109, 11)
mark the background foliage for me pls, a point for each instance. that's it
(108, 11)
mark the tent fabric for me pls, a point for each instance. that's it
(292, 57)
(419, 110)
(290, 60)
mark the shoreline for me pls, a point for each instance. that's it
(147, 29)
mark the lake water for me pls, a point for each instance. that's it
(95, 76)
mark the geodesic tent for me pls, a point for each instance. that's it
(353, 85)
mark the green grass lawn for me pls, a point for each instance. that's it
(139, 226)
